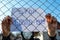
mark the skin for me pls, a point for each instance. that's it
(52, 25)
(58, 27)
(48, 18)
(6, 25)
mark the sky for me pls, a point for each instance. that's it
(49, 6)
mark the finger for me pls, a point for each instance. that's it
(8, 19)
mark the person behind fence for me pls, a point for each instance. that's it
(27, 35)
(52, 26)
(6, 35)
(36, 36)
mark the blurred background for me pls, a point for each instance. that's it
(48, 6)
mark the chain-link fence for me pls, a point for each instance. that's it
(29, 15)
(7, 7)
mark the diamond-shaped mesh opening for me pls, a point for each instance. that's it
(28, 15)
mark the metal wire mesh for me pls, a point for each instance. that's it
(49, 6)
